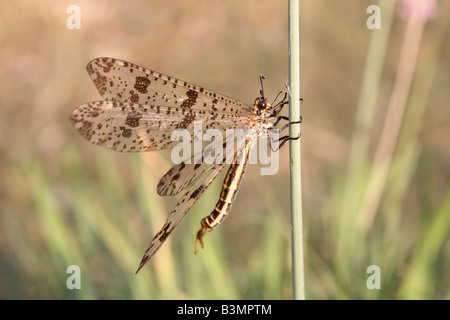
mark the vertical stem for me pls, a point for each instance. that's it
(295, 161)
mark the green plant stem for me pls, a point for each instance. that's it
(295, 160)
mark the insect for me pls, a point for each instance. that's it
(142, 108)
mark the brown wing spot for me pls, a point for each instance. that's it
(197, 165)
(197, 192)
(126, 133)
(94, 113)
(107, 67)
(142, 84)
(90, 69)
(134, 98)
(187, 120)
(191, 100)
(100, 82)
(164, 232)
(133, 119)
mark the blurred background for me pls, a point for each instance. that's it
(375, 152)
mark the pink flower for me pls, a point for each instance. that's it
(418, 9)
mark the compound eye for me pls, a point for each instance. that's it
(260, 103)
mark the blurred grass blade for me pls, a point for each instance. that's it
(371, 81)
(420, 281)
(393, 121)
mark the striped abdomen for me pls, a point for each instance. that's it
(230, 188)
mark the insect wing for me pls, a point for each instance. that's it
(128, 127)
(194, 191)
(186, 202)
(120, 80)
(187, 172)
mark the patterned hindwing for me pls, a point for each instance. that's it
(194, 191)
(119, 80)
(187, 172)
(186, 202)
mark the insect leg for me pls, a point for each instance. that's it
(289, 123)
(285, 139)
